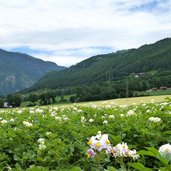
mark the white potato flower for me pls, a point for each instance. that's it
(41, 140)
(3, 121)
(99, 142)
(27, 124)
(91, 120)
(105, 122)
(165, 150)
(42, 146)
(154, 119)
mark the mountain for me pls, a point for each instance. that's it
(19, 71)
(113, 66)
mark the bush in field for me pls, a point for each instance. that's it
(27, 104)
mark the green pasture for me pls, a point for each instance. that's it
(122, 101)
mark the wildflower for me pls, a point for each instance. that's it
(27, 124)
(42, 146)
(58, 118)
(148, 111)
(165, 150)
(111, 116)
(105, 122)
(53, 114)
(65, 118)
(41, 140)
(130, 113)
(55, 108)
(122, 150)
(3, 121)
(109, 150)
(91, 120)
(154, 119)
(133, 154)
(38, 110)
(99, 142)
(75, 108)
(79, 111)
(83, 119)
(11, 120)
(103, 117)
(48, 133)
(90, 153)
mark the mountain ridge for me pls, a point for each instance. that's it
(19, 71)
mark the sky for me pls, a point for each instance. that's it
(69, 31)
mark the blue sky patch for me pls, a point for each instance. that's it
(149, 6)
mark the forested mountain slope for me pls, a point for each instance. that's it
(19, 71)
(113, 66)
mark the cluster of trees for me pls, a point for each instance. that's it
(44, 98)
(100, 92)
(13, 100)
(1, 103)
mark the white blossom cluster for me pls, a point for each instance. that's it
(100, 142)
(154, 119)
(122, 150)
(3, 121)
(165, 150)
(41, 142)
(27, 124)
(130, 113)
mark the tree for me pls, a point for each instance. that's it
(17, 100)
(1, 103)
(14, 100)
(32, 97)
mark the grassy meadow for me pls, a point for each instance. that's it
(121, 101)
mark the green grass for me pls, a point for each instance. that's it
(122, 101)
(155, 93)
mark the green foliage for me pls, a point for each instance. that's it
(66, 130)
(27, 104)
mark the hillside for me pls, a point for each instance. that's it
(19, 71)
(115, 66)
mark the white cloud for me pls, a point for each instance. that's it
(61, 60)
(56, 26)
